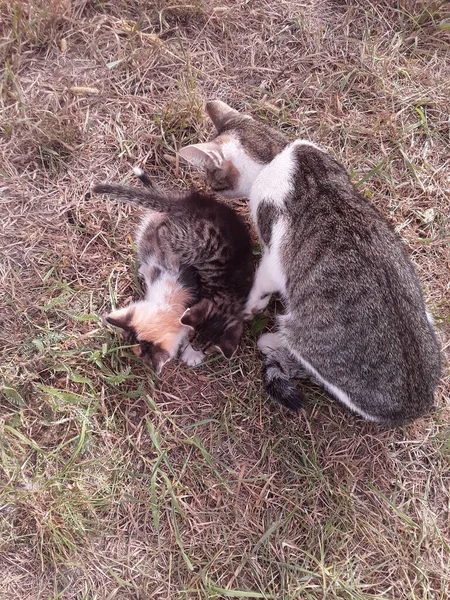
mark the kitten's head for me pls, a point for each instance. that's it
(212, 330)
(156, 333)
(235, 157)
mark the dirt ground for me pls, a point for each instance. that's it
(114, 485)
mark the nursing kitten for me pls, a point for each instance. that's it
(355, 319)
(198, 232)
(153, 324)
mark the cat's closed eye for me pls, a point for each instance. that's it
(218, 179)
(222, 178)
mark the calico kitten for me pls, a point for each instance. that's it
(355, 318)
(154, 324)
(198, 232)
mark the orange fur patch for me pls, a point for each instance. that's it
(233, 172)
(162, 327)
(227, 165)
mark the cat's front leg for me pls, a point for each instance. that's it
(192, 357)
(263, 287)
(256, 303)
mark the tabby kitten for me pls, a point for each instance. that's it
(355, 318)
(198, 232)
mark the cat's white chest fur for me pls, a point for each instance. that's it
(273, 185)
(274, 182)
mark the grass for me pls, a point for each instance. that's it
(117, 485)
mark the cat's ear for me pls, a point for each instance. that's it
(207, 155)
(220, 113)
(230, 340)
(160, 360)
(121, 318)
(194, 316)
(154, 355)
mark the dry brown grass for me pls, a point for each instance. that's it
(118, 486)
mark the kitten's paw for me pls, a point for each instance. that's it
(192, 357)
(254, 307)
(269, 342)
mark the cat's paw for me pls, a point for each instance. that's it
(254, 307)
(268, 342)
(192, 357)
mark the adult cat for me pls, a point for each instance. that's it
(355, 318)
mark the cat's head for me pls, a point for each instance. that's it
(211, 330)
(235, 157)
(156, 334)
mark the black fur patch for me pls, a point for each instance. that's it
(153, 355)
(190, 280)
(279, 387)
(123, 323)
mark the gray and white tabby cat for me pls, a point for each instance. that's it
(355, 319)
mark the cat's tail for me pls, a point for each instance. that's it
(150, 197)
(145, 179)
(279, 386)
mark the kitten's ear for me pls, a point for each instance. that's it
(207, 155)
(160, 360)
(220, 113)
(230, 340)
(154, 355)
(121, 318)
(192, 317)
